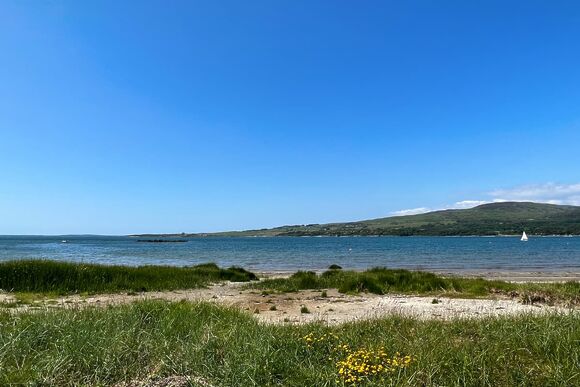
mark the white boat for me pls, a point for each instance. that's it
(524, 237)
(64, 241)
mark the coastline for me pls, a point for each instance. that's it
(516, 276)
(508, 276)
(228, 235)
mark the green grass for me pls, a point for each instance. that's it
(227, 347)
(383, 281)
(39, 276)
(32, 279)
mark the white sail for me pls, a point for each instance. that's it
(524, 237)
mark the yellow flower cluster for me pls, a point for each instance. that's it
(355, 366)
(361, 364)
(310, 339)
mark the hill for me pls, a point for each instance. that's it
(507, 218)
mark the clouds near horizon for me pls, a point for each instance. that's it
(545, 193)
(551, 193)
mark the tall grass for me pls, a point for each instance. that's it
(383, 281)
(64, 277)
(226, 347)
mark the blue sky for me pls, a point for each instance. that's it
(155, 116)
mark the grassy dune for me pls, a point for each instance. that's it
(62, 277)
(226, 347)
(383, 281)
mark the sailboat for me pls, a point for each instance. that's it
(524, 237)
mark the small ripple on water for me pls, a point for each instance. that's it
(554, 254)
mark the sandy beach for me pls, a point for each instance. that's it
(331, 308)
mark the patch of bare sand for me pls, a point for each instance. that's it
(169, 381)
(335, 308)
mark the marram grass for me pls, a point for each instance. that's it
(41, 276)
(227, 347)
(383, 281)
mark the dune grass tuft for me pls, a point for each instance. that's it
(384, 281)
(41, 276)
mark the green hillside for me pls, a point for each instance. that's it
(506, 218)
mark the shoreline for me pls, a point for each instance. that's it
(196, 236)
(505, 275)
(516, 276)
(336, 297)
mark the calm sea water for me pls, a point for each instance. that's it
(548, 254)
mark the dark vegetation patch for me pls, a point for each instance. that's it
(384, 281)
(64, 277)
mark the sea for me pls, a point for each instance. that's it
(287, 254)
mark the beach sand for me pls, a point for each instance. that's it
(283, 308)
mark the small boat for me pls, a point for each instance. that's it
(64, 241)
(524, 237)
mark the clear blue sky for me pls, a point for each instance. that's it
(154, 116)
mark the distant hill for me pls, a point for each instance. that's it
(507, 218)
